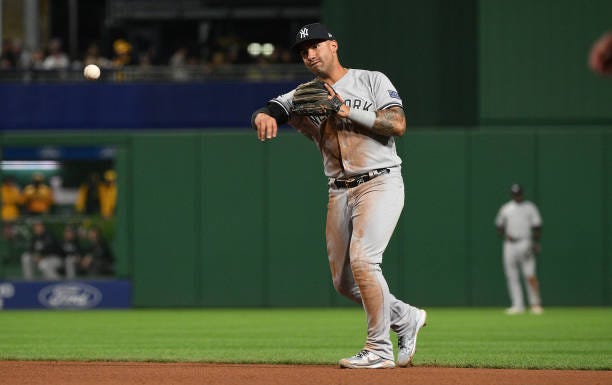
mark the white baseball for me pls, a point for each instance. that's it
(91, 72)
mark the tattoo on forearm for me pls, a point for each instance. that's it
(388, 121)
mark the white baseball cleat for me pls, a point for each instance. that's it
(514, 310)
(366, 359)
(537, 309)
(406, 344)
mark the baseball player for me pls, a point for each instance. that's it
(44, 253)
(366, 190)
(519, 223)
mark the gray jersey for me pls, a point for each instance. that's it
(518, 219)
(347, 148)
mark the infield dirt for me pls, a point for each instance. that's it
(136, 373)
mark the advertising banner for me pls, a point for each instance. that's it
(86, 294)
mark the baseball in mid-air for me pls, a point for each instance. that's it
(91, 72)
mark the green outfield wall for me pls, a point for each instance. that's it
(490, 62)
(221, 219)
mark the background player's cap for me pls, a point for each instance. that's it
(516, 189)
(315, 31)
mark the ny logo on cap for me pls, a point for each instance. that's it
(303, 33)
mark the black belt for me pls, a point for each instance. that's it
(356, 180)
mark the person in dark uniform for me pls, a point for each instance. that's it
(44, 253)
(98, 257)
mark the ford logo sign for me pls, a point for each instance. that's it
(69, 296)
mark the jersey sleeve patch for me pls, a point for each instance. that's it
(394, 94)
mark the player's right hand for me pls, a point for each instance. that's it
(266, 126)
(343, 112)
(600, 56)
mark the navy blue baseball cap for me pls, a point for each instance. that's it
(314, 31)
(516, 189)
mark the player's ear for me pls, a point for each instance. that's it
(334, 45)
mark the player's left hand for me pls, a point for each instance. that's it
(536, 248)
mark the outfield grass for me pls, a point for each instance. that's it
(561, 338)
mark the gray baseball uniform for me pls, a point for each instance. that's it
(366, 197)
(518, 219)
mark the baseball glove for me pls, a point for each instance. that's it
(312, 99)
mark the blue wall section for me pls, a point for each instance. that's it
(134, 105)
(67, 295)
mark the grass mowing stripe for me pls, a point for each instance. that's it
(561, 338)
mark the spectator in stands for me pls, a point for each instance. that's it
(23, 56)
(36, 60)
(13, 55)
(218, 64)
(98, 258)
(260, 71)
(177, 62)
(37, 196)
(93, 56)
(44, 254)
(8, 61)
(145, 61)
(71, 251)
(179, 57)
(123, 53)
(98, 197)
(11, 199)
(88, 197)
(56, 59)
(108, 194)
(284, 56)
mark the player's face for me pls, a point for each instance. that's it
(318, 56)
(517, 197)
(38, 228)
